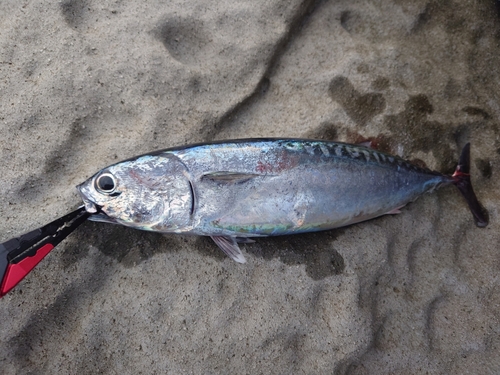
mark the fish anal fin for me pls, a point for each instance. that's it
(230, 247)
(229, 177)
(244, 240)
(394, 211)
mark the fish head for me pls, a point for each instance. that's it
(150, 192)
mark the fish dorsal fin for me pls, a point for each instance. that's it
(230, 247)
(229, 177)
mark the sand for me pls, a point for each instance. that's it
(84, 84)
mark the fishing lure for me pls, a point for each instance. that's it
(236, 191)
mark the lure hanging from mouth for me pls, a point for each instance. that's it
(234, 191)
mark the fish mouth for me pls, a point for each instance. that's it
(90, 207)
(96, 211)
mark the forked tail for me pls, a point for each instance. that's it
(461, 179)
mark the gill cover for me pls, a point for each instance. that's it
(149, 192)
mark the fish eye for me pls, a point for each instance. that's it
(105, 183)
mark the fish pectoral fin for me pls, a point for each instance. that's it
(230, 247)
(229, 177)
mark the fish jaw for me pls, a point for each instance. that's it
(90, 207)
(93, 208)
(101, 217)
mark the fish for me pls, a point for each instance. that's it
(235, 191)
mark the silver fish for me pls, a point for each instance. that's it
(237, 190)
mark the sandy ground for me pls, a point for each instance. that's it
(86, 83)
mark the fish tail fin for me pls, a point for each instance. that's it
(461, 179)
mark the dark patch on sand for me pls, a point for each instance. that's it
(411, 129)
(361, 108)
(484, 166)
(312, 249)
(128, 246)
(186, 40)
(325, 131)
(475, 111)
(74, 12)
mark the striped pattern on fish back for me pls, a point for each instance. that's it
(352, 152)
